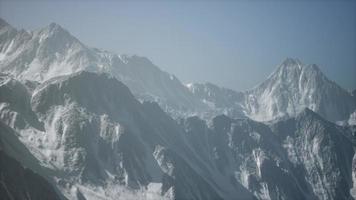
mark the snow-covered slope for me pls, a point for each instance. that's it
(88, 135)
(93, 139)
(219, 100)
(52, 51)
(18, 182)
(286, 92)
(305, 157)
(295, 86)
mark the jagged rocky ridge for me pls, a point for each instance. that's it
(52, 51)
(88, 136)
(219, 100)
(93, 140)
(293, 87)
(304, 157)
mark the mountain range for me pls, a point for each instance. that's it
(90, 124)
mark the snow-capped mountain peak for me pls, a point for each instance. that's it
(3, 23)
(77, 116)
(293, 62)
(55, 30)
(52, 51)
(293, 87)
(290, 70)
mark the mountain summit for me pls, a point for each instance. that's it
(291, 88)
(295, 86)
(3, 23)
(77, 118)
(52, 51)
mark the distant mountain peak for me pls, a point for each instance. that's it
(291, 62)
(137, 59)
(314, 67)
(292, 69)
(3, 23)
(54, 26)
(295, 86)
(5, 27)
(289, 65)
(295, 64)
(55, 30)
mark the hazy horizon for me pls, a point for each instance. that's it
(231, 44)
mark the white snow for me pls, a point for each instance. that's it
(352, 119)
(5, 52)
(353, 189)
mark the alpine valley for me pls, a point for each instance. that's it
(81, 123)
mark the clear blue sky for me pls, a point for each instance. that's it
(236, 44)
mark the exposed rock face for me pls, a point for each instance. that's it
(219, 100)
(88, 131)
(95, 134)
(293, 87)
(52, 51)
(18, 182)
(299, 158)
(82, 134)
